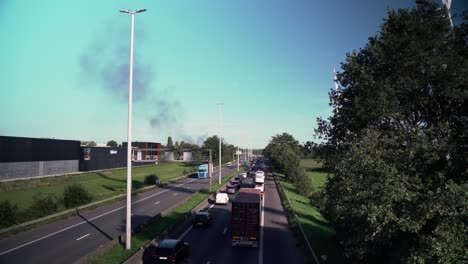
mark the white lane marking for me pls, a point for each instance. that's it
(208, 262)
(176, 193)
(82, 237)
(188, 188)
(83, 222)
(225, 230)
(211, 207)
(186, 231)
(260, 250)
(156, 202)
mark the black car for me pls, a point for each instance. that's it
(236, 182)
(202, 219)
(171, 251)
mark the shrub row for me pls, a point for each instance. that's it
(73, 196)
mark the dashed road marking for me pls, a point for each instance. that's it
(176, 193)
(82, 237)
(157, 202)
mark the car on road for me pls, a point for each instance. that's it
(222, 198)
(202, 219)
(171, 251)
(231, 188)
(236, 182)
(229, 164)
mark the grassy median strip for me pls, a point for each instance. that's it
(319, 232)
(102, 185)
(118, 253)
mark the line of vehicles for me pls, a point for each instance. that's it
(248, 188)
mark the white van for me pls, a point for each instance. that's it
(222, 198)
(259, 178)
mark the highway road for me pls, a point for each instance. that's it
(212, 244)
(68, 240)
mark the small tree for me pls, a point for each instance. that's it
(303, 182)
(151, 179)
(112, 143)
(76, 195)
(170, 144)
(8, 213)
(43, 205)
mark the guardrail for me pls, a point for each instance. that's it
(278, 183)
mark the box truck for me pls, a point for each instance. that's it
(245, 218)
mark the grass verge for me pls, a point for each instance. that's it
(320, 232)
(102, 185)
(118, 253)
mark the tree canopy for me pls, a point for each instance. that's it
(169, 144)
(397, 143)
(227, 151)
(112, 143)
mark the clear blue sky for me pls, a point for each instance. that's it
(64, 66)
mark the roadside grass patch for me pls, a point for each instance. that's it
(319, 231)
(102, 185)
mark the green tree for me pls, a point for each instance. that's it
(75, 195)
(396, 143)
(88, 143)
(213, 144)
(169, 144)
(286, 139)
(284, 153)
(8, 214)
(112, 143)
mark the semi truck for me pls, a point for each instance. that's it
(245, 218)
(203, 171)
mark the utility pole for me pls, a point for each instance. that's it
(128, 232)
(238, 159)
(210, 168)
(219, 169)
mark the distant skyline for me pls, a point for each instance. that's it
(64, 67)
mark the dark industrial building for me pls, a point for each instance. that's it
(26, 157)
(30, 157)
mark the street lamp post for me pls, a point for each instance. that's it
(128, 232)
(219, 170)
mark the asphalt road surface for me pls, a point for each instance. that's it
(68, 240)
(212, 245)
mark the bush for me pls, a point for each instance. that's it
(76, 195)
(42, 205)
(151, 179)
(303, 182)
(318, 200)
(8, 214)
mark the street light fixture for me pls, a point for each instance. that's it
(128, 232)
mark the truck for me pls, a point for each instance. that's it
(203, 171)
(245, 218)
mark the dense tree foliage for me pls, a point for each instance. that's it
(169, 144)
(112, 143)
(227, 151)
(397, 143)
(284, 155)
